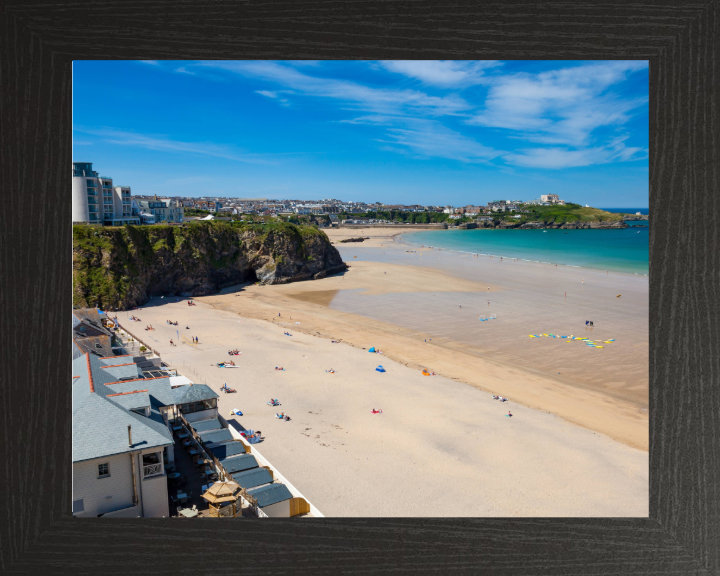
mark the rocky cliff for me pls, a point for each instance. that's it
(118, 268)
(504, 224)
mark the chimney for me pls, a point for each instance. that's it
(129, 437)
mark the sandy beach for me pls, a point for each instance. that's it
(576, 444)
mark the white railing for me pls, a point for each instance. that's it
(152, 470)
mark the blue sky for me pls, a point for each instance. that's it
(427, 132)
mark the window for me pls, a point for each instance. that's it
(98, 346)
(103, 470)
(78, 506)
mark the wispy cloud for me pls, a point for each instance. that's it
(151, 62)
(432, 139)
(352, 94)
(161, 143)
(428, 138)
(182, 70)
(561, 106)
(443, 73)
(267, 93)
(557, 158)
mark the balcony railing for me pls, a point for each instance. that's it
(152, 470)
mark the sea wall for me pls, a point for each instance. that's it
(122, 267)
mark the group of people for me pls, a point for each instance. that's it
(195, 339)
(234, 352)
(171, 323)
(287, 333)
(282, 416)
(280, 368)
(149, 327)
(191, 303)
(499, 398)
(331, 371)
(589, 323)
(134, 319)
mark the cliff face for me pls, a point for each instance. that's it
(118, 268)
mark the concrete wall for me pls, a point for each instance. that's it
(279, 510)
(155, 497)
(103, 495)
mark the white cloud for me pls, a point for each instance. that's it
(560, 106)
(351, 93)
(444, 73)
(151, 62)
(267, 93)
(430, 138)
(167, 145)
(557, 158)
(182, 70)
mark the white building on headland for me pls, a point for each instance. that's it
(96, 201)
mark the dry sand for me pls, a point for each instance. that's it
(441, 447)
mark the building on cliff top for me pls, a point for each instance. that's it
(96, 201)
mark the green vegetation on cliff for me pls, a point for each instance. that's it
(121, 267)
(568, 213)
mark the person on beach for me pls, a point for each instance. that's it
(509, 414)
(587, 322)
(171, 342)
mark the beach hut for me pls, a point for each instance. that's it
(254, 478)
(221, 498)
(273, 499)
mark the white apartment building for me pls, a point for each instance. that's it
(552, 198)
(162, 210)
(96, 201)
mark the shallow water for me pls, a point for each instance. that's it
(622, 250)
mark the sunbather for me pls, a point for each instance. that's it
(331, 371)
(376, 411)
(279, 368)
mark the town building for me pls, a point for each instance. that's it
(122, 437)
(91, 334)
(96, 201)
(156, 211)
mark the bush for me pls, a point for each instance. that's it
(143, 349)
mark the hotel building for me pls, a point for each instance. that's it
(96, 201)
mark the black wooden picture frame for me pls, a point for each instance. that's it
(39, 41)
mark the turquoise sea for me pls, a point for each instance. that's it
(623, 250)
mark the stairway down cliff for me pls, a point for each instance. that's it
(119, 268)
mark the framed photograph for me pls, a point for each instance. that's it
(499, 213)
